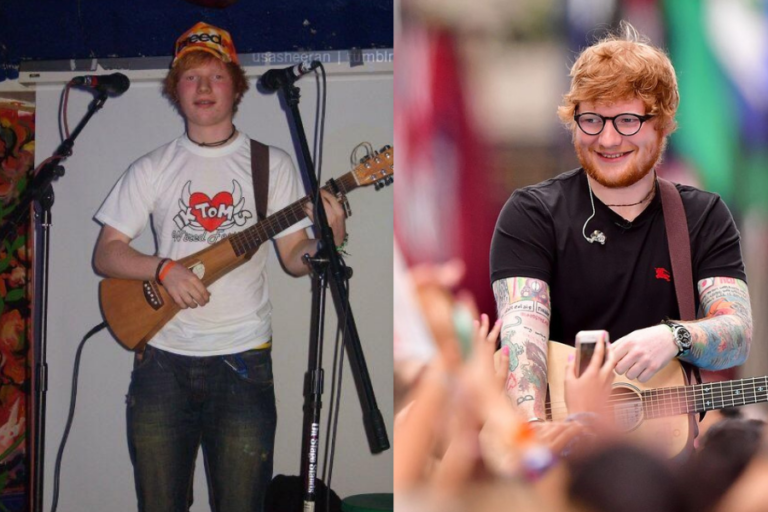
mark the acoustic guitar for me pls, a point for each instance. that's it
(660, 412)
(136, 310)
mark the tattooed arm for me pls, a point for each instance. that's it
(722, 338)
(524, 308)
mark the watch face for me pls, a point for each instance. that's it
(683, 335)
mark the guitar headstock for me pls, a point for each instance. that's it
(376, 169)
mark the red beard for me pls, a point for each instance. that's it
(634, 172)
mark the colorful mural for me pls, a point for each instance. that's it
(17, 147)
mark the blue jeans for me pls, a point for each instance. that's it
(226, 404)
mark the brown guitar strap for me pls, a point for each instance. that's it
(260, 175)
(679, 247)
(679, 242)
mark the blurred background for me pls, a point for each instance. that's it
(477, 84)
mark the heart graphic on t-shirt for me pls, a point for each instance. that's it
(206, 210)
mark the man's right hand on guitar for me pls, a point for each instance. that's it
(642, 353)
(186, 289)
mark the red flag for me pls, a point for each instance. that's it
(441, 211)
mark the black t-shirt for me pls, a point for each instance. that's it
(624, 285)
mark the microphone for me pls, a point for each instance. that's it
(274, 79)
(116, 83)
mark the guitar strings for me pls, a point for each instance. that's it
(677, 397)
(247, 239)
(280, 220)
(699, 388)
(698, 392)
(687, 399)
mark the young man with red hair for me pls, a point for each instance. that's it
(587, 249)
(205, 379)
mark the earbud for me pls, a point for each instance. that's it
(597, 236)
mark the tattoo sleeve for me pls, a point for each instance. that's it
(524, 308)
(723, 335)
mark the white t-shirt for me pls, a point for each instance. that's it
(197, 196)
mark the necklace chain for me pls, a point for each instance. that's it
(648, 195)
(214, 144)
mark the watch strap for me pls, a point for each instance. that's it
(676, 327)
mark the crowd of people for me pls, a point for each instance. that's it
(461, 444)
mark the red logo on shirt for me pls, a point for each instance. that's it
(662, 273)
(211, 213)
(198, 212)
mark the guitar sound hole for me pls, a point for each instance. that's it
(627, 407)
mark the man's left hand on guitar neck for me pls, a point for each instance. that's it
(294, 246)
(334, 212)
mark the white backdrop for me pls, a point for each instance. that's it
(97, 474)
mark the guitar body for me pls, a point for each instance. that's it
(669, 434)
(137, 310)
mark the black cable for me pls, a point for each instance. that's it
(320, 133)
(71, 416)
(63, 99)
(318, 130)
(333, 408)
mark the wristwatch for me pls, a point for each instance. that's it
(682, 336)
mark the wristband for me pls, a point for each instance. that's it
(159, 267)
(340, 248)
(167, 268)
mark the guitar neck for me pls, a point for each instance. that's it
(709, 396)
(250, 239)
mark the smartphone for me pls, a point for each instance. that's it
(586, 341)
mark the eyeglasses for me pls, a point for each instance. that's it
(626, 124)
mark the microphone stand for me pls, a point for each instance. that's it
(327, 267)
(40, 193)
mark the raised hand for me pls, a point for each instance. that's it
(589, 391)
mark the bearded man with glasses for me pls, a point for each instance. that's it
(587, 250)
